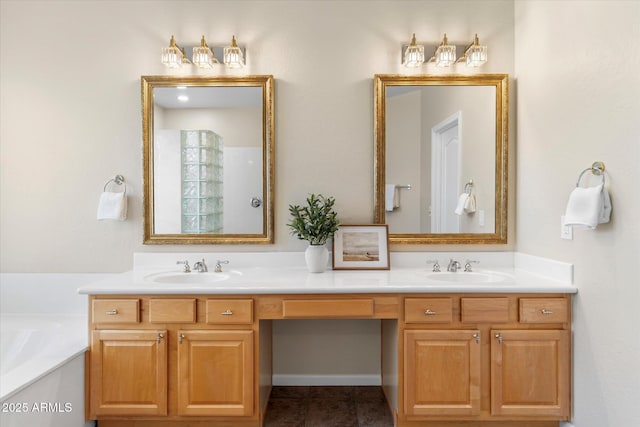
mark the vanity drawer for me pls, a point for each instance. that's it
(174, 310)
(330, 308)
(229, 311)
(485, 310)
(428, 310)
(115, 310)
(544, 310)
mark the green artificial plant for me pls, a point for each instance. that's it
(316, 222)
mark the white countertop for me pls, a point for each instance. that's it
(297, 280)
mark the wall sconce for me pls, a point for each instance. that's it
(233, 56)
(474, 55)
(414, 54)
(203, 56)
(173, 56)
(445, 54)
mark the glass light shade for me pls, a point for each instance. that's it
(203, 56)
(414, 54)
(233, 56)
(476, 56)
(171, 57)
(445, 55)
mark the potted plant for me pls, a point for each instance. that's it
(315, 223)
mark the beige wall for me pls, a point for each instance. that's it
(578, 101)
(402, 159)
(71, 113)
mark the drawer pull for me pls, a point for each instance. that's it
(227, 312)
(429, 312)
(546, 312)
(112, 312)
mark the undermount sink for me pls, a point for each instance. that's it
(188, 278)
(467, 277)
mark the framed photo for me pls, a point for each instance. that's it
(361, 247)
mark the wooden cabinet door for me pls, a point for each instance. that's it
(215, 373)
(442, 372)
(530, 373)
(129, 372)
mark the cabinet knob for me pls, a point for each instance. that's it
(546, 312)
(180, 338)
(477, 337)
(112, 312)
(499, 337)
(227, 312)
(429, 312)
(160, 337)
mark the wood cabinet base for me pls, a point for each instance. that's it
(169, 423)
(474, 424)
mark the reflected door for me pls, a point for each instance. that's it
(445, 178)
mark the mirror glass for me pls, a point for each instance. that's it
(441, 158)
(208, 156)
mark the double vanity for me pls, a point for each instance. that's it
(492, 346)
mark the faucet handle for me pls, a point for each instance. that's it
(186, 268)
(467, 265)
(218, 268)
(436, 265)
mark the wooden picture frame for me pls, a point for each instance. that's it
(361, 247)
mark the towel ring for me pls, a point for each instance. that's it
(468, 187)
(118, 179)
(597, 169)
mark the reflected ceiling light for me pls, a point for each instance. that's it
(183, 98)
(445, 54)
(203, 56)
(413, 54)
(233, 56)
(173, 56)
(474, 55)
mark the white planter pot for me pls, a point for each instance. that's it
(317, 257)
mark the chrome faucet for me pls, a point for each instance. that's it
(218, 268)
(200, 266)
(453, 266)
(186, 268)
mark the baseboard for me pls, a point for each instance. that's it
(325, 380)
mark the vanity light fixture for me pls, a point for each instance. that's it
(445, 54)
(413, 54)
(173, 56)
(474, 55)
(203, 56)
(233, 56)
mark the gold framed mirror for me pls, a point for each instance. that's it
(440, 166)
(208, 153)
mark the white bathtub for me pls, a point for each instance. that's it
(43, 338)
(42, 370)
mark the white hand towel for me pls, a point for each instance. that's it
(588, 207)
(470, 204)
(112, 206)
(462, 200)
(391, 197)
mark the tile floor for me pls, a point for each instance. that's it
(348, 406)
